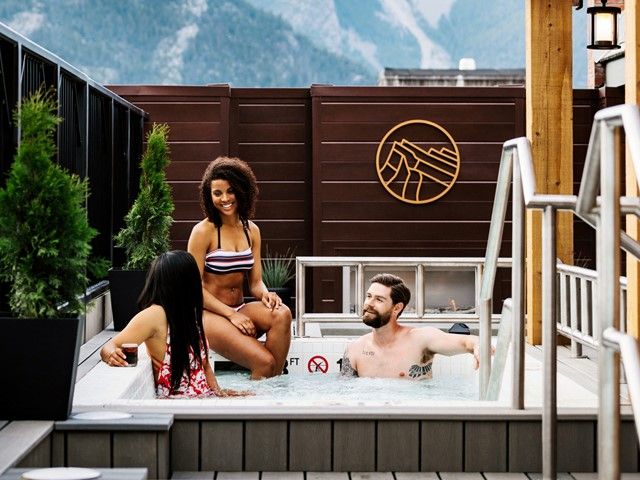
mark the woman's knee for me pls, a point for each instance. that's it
(263, 365)
(281, 318)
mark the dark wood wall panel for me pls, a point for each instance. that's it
(585, 105)
(198, 119)
(354, 214)
(271, 130)
(442, 111)
(313, 152)
(348, 126)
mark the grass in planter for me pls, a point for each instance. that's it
(278, 269)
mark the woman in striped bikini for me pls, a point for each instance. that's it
(226, 246)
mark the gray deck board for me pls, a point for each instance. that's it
(89, 449)
(327, 476)
(38, 456)
(560, 476)
(485, 446)
(106, 473)
(398, 447)
(578, 369)
(461, 476)
(265, 445)
(221, 446)
(238, 476)
(191, 475)
(594, 476)
(354, 432)
(184, 435)
(310, 445)
(371, 476)
(18, 438)
(442, 445)
(282, 476)
(417, 476)
(504, 476)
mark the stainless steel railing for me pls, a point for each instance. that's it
(601, 176)
(354, 271)
(578, 319)
(629, 349)
(516, 171)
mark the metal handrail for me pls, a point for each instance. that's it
(577, 303)
(523, 188)
(602, 174)
(516, 168)
(629, 349)
(603, 213)
(500, 358)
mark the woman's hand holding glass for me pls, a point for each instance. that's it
(116, 358)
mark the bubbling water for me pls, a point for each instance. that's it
(334, 388)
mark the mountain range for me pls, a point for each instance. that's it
(276, 43)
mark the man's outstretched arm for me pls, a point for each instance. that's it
(438, 341)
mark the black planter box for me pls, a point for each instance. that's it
(125, 287)
(38, 359)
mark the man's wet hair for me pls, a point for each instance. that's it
(399, 291)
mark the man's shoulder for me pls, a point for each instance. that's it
(424, 331)
(423, 334)
(353, 346)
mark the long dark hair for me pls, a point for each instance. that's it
(173, 282)
(242, 180)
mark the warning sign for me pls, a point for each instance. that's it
(318, 364)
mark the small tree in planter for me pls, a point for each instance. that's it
(146, 231)
(44, 248)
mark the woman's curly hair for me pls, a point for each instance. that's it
(242, 181)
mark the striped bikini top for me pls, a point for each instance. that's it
(221, 262)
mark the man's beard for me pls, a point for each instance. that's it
(377, 320)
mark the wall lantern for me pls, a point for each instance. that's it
(604, 27)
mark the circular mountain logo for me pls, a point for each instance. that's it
(417, 161)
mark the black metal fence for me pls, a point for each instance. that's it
(100, 137)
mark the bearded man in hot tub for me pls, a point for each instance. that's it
(395, 351)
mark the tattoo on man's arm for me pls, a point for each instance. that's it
(417, 371)
(346, 368)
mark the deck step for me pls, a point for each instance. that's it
(18, 438)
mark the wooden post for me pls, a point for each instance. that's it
(549, 83)
(632, 77)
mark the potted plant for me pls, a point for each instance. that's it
(277, 271)
(146, 231)
(44, 249)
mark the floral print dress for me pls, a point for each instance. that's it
(193, 386)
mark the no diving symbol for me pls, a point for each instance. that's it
(318, 364)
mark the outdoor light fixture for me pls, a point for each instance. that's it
(604, 27)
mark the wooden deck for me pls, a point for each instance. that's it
(383, 476)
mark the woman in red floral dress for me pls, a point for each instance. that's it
(170, 325)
